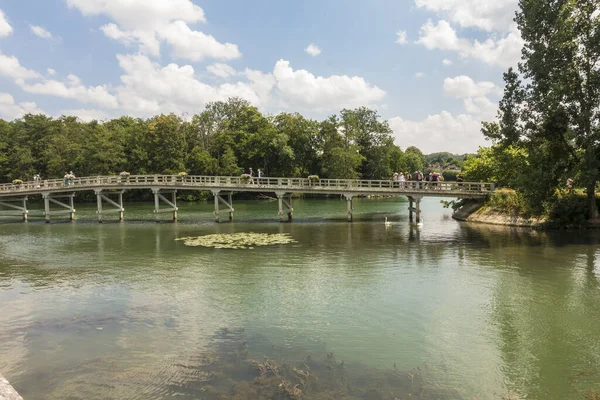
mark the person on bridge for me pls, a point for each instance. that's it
(71, 178)
(66, 177)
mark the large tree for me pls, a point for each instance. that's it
(555, 112)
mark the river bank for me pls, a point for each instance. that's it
(479, 212)
(508, 208)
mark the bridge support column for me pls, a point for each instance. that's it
(22, 210)
(285, 200)
(119, 206)
(158, 196)
(227, 203)
(416, 210)
(350, 207)
(52, 198)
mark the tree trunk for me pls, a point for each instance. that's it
(591, 193)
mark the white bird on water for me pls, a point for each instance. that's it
(386, 222)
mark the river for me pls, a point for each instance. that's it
(451, 310)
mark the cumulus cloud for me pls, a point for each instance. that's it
(447, 62)
(221, 70)
(440, 132)
(301, 89)
(419, 75)
(5, 28)
(149, 88)
(40, 32)
(73, 89)
(195, 45)
(145, 23)
(10, 67)
(9, 109)
(504, 52)
(483, 14)
(51, 71)
(401, 37)
(463, 86)
(313, 50)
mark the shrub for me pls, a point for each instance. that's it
(450, 175)
(509, 201)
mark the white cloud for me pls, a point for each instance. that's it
(419, 75)
(5, 28)
(11, 110)
(141, 13)
(463, 86)
(301, 89)
(482, 106)
(145, 39)
(73, 89)
(148, 88)
(51, 71)
(145, 23)
(313, 50)
(401, 37)
(195, 45)
(11, 68)
(483, 14)
(504, 52)
(447, 62)
(440, 132)
(441, 36)
(221, 70)
(41, 32)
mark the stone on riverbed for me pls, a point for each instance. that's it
(7, 392)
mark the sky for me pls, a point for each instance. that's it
(432, 68)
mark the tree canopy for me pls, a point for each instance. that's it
(226, 138)
(548, 125)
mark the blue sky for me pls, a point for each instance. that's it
(105, 58)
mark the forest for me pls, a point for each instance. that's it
(227, 138)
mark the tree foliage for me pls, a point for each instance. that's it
(226, 138)
(551, 107)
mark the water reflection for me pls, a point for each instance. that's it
(484, 310)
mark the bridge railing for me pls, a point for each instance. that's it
(233, 182)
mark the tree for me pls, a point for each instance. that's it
(560, 120)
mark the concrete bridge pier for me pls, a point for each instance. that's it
(285, 200)
(417, 210)
(19, 209)
(119, 206)
(52, 198)
(218, 195)
(350, 207)
(158, 196)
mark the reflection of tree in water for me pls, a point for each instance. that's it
(546, 310)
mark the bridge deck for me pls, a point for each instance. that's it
(239, 184)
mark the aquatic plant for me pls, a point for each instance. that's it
(246, 240)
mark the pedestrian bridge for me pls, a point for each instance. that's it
(109, 191)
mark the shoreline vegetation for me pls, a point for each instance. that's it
(565, 210)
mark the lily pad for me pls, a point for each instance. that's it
(247, 240)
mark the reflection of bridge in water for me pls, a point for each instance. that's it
(109, 191)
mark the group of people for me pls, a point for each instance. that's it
(259, 173)
(420, 180)
(69, 178)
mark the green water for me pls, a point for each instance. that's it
(123, 310)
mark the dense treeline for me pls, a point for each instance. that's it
(226, 138)
(546, 142)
